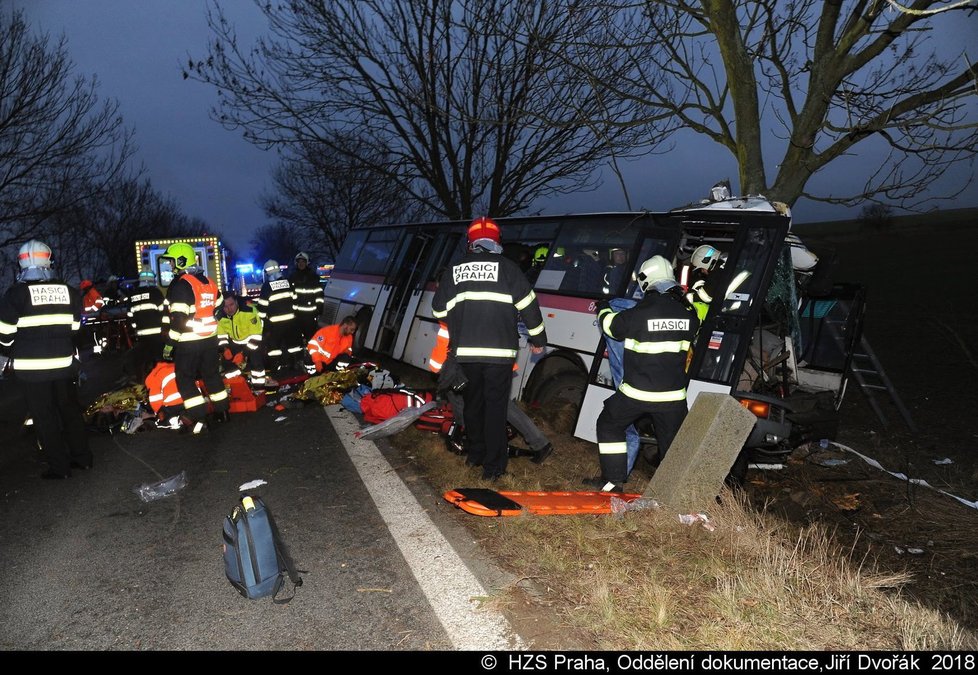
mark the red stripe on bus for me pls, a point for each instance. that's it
(352, 276)
(547, 301)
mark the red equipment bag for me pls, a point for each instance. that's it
(439, 420)
(382, 404)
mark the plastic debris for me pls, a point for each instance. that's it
(832, 462)
(693, 518)
(251, 485)
(398, 422)
(150, 492)
(619, 506)
(946, 460)
(281, 418)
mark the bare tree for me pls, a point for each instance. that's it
(59, 145)
(324, 193)
(278, 242)
(876, 216)
(476, 113)
(798, 86)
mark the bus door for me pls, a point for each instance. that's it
(756, 243)
(600, 385)
(400, 291)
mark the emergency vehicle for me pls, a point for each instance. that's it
(780, 340)
(211, 257)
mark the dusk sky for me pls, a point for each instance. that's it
(136, 49)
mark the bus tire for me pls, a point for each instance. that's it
(562, 389)
(363, 323)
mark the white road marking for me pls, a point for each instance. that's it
(452, 590)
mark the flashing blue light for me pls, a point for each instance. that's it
(244, 268)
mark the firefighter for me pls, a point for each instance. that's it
(239, 331)
(481, 298)
(309, 297)
(443, 363)
(695, 277)
(40, 317)
(146, 309)
(192, 337)
(276, 307)
(328, 343)
(657, 333)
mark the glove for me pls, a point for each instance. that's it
(228, 356)
(238, 359)
(168, 353)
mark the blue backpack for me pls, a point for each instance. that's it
(255, 559)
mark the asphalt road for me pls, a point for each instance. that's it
(85, 564)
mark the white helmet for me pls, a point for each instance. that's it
(303, 255)
(654, 269)
(34, 254)
(272, 270)
(707, 258)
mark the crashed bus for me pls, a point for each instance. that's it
(780, 340)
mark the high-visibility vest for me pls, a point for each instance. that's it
(201, 322)
(161, 383)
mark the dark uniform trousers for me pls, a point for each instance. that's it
(620, 412)
(193, 359)
(143, 357)
(486, 399)
(58, 422)
(277, 339)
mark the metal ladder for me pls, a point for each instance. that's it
(865, 365)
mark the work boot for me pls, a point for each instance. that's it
(540, 455)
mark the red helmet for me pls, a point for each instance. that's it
(86, 284)
(483, 228)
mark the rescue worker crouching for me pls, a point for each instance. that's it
(657, 334)
(329, 343)
(40, 319)
(239, 330)
(481, 298)
(451, 382)
(192, 339)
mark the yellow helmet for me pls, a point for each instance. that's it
(182, 255)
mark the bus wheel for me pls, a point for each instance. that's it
(363, 323)
(560, 397)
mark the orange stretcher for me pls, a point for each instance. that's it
(485, 502)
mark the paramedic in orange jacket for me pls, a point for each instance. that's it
(328, 343)
(164, 396)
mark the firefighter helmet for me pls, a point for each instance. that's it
(707, 258)
(302, 255)
(483, 228)
(182, 254)
(34, 254)
(272, 270)
(654, 269)
(540, 255)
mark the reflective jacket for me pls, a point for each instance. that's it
(481, 298)
(276, 303)
(657, 334)
(243, 328)
(309, 292)
(161, 384)
(93, 300)
(195, 298)
(328, 343)
(147, 311)
(39, 322)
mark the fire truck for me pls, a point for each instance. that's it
(211, 257)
